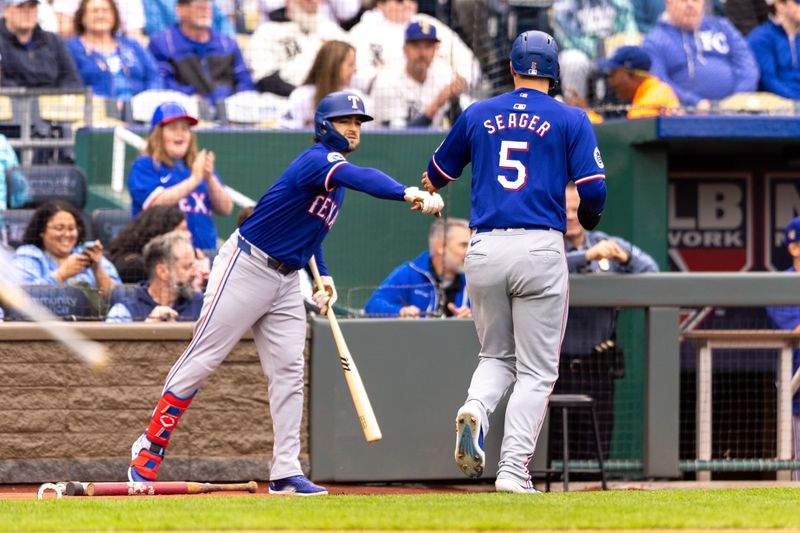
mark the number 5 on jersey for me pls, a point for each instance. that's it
(518, 182)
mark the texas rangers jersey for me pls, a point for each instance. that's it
(297, 212)
(148, 179)
(524, 147)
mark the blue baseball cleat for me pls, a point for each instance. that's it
(469, 454)
(296, 486)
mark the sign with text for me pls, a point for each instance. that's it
(710, 222)
(781, 204)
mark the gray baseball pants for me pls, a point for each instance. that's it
(518, 282)
(243, 293)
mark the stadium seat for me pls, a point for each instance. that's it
(759, 102)
(120, 292)
(612, 42)
(107, 223)
(55, 182)
(69, 303)
(62, 107)
(252, 107)
(16, 220)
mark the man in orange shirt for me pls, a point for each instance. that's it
(632, 82)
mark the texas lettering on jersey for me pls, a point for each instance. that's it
(325, 208)
(195, 203)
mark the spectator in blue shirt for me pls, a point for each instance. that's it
(113, 65)
(168, 294)
(704, 58)
(433, 284)
(194, 58)
(160, 15)
(53, 251)
(775, 45)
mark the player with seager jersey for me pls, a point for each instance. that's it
(524, 147)
(254, 285)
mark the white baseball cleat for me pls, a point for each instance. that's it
(469, 454)
(509, 485)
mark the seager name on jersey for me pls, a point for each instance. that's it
(326, 208)
(517, 121)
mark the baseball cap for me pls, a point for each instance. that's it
(421, 31)
(792, 231)
(170, 112)
(627, 57)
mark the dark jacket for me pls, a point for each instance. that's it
(47, 63)
(140, 304)
(214, 69)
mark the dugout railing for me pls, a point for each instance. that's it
(416, 373)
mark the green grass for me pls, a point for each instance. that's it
(744, 509)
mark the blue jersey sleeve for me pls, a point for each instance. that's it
(367, 180)
(143, 183)
(452, 156)
(586, 166)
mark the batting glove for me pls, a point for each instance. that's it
(430, 204)
(327, 297)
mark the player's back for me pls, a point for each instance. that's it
(524, 147)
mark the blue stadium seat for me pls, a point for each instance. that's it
(55, 182)
(69, 303)
(16, 220)
(108, 223)
(120, 292)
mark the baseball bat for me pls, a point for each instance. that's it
(366, 416)
(90, 352)
(159, 488)
(795, 381)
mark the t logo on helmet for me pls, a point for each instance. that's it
(354, 100)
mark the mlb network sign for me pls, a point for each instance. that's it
(710, 221)
(781, 204)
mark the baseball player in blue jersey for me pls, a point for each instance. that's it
(524, 147)
(254, 285)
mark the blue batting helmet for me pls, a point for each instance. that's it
(169, 112)
(338, 104)
(535, 54)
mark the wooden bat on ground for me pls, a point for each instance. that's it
(366, 416)
(157, 488)
(91, 353)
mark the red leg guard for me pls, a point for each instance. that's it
(151, 450)
(165, 418)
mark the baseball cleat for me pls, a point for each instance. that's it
(296, 486)
(509, 485)
(146, 457)
(469, 443)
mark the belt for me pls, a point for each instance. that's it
(535, 226)
(274, 264)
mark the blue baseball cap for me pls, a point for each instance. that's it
(421, 31)
(627, 57)
(170, 112)
(792, 231)
(18, 2)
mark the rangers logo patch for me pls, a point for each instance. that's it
(597, 158)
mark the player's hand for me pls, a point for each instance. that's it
(429, 204)
(607, 249)
(426, 183)
(162, 313)
(410, 311)
(459, 312)
(327, 296)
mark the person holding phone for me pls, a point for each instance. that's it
(51, 255)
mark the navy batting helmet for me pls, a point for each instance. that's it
(535, 53)
(338, 104)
